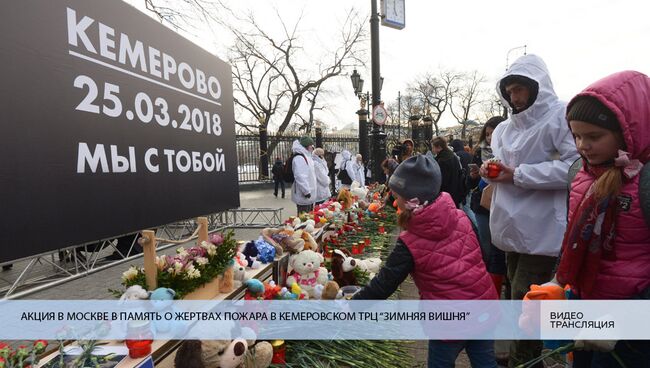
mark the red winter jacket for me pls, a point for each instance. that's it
(625, 272)
(446, 253)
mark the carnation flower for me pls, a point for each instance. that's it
(216, 238)
(129, 274)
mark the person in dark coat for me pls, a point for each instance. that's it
(277, 169)
(450, 169)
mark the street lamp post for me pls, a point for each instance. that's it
(378, 150)
(357, 84)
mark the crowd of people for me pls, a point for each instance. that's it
(508, 217)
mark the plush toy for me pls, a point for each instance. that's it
(345, 198)
(358, 191)
(250, 251)
(307, 272)
(135, 292)
(259, 355)
(162, 300)
(255, 288)
(239, 276)
(283, 239)
(222, 354)
(227, 283)
(327, 292)
(265, 251)
(309, 242)
(343, 268)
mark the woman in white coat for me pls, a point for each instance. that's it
(322, 178)
(359, 170)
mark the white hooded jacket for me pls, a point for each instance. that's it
(322, 179)
(348, 165)
(529, 216)
(360, 172)
(305, 176)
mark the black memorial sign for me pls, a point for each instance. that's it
(110, 123)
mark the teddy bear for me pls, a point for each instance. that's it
(162, 301)
(283, 239)
(307, 272)
(223, 354)
(329, 291)
(135, 292)
(343, 268)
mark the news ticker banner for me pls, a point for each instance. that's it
(325, 320)
(110, 123)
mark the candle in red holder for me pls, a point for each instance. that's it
(139, 339)
(355, 249)
(493, 170)
(361, 245)
(381, 228)
(279, 352)
(366, 241)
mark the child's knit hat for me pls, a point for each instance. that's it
(417, 177)
(591, 110)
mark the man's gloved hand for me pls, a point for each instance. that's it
(596, 345)
(308, 195)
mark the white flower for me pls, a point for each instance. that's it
(129, 274)
(178, 267)
(201, 261)
(209, 247)
(192, 273)
(160, 262)
(182, 252)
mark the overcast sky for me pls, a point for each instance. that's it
(580, 40)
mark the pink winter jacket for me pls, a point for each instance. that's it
(626, 272)
(446, 254)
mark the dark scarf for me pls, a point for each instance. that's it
(589, 235)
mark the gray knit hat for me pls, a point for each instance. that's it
(417, 177)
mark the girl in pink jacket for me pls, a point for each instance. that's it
(439, 249)
(606, 246)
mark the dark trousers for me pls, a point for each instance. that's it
(443, 354)
(304, 208)
(634, 353)
(524, 270)
(281, 183)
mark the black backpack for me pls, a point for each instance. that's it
(287, 172)
(343, 175)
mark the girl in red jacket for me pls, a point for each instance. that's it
(606, 246)
(440, 251)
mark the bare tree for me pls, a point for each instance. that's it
(490, 107)
(434, 93)
(269, 82)
(468, 94)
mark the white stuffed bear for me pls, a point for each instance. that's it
(307, 271)
(135, 292)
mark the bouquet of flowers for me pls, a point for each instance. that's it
(189, 268)
(22, 357)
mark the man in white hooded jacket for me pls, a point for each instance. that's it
(304, 190)
(528, 209)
